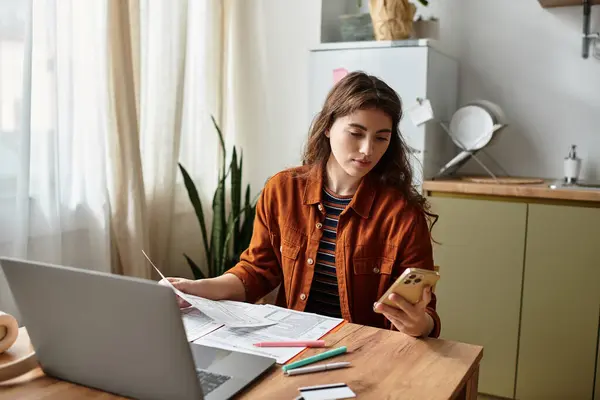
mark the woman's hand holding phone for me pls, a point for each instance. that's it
(406, 300)
(412, 319)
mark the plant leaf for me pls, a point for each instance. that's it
(250, 211)
(247, 228)
(248, 224)
(247, 197)
(218, 228)
(241, 239)
(241, 244)
(228, 235)
(218, 197)
(223, 219)
(198, 274)
(236, 195)
(241, 162)
(222, 142)
(197, 203)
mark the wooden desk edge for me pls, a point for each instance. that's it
(37, 380)
(468, 388)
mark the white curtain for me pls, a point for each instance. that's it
(53, 128)
(88, 154)
(165, 42)
(199, 149)
(180, 78)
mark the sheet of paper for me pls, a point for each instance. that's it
(220, 312)
(197, 324)
(297, 325)
(421, 113)
(288, 325)
(224, 312)
(243, 339)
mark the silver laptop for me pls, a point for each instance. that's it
(121, 335)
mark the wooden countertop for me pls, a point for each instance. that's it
(525, 190)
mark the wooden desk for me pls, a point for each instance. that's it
(385, 364)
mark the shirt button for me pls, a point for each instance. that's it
(320, 207)
(303, 297)
(319, 225)
(376, 270)
(310, 261)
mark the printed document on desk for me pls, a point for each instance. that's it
(288, 325)
(197, 324)
(229, 313)
(219, 311)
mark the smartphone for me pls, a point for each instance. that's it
(411, 284)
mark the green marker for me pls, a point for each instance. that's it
(315, 358)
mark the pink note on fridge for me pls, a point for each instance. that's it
(338, 74)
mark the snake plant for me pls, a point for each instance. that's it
(231, 229)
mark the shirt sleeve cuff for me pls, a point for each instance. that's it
(437, 323)
(249, 279)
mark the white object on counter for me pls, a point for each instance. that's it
(572, 166)
(572, 169)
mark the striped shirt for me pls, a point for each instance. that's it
(324, 297)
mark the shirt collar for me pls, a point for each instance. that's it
(361, 202)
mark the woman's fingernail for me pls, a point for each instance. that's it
(375, 305)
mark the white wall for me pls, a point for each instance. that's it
(277, 94)
(528, 60)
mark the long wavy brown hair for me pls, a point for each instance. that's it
(360, 91)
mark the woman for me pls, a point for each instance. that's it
(337, 231)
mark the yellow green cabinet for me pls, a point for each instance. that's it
(597, 391)
(561, 299)
(523, 280)
(480, 255)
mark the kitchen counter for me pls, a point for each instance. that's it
(542, 191)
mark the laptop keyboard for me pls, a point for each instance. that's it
(210, 381)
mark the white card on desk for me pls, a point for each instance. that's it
(421, 113)
(327, 392)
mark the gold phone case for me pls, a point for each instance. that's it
(411, 284)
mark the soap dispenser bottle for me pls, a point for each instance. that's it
(572, 166)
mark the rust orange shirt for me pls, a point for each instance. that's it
(378, 236)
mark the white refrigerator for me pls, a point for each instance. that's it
(416, 70)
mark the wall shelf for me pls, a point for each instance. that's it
(588, 39)
(565, 3)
